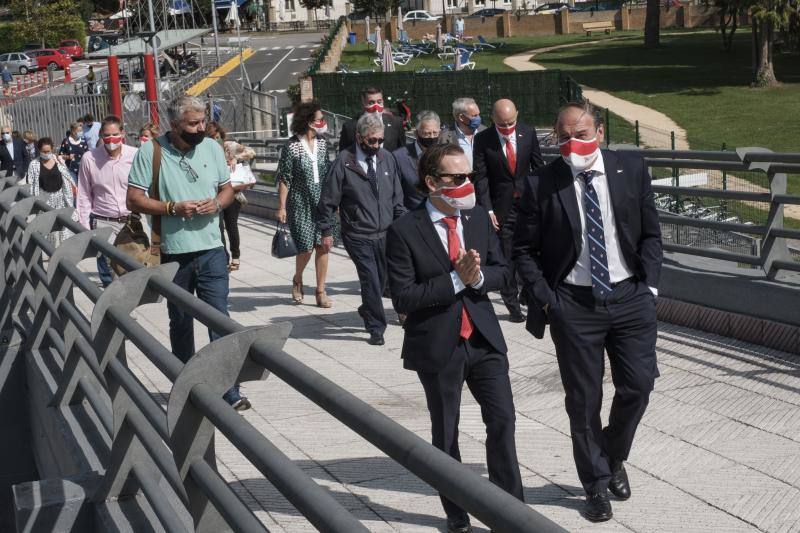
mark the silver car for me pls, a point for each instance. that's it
(19, 63)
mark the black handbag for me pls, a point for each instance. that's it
(283, 244)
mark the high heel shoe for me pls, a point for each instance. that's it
(297, 290)
(323, 300)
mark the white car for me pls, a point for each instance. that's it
(419, 15)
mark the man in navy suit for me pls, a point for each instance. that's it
(407, 157)
(588, 248)
(504, 156)
(14, 157)
(444, 258)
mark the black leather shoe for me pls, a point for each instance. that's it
(618, 484)
(376, 339)
(597, 507)
(458, 527)
(517, 317)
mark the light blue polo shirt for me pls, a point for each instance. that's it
(176, 184)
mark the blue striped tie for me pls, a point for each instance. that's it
(598, 259)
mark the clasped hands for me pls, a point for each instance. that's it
(468, 266)
(190, 208)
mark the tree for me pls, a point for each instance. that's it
(46, 22)
(377, 9)
(729, 12)
(768, 17)
(314, 4)
(652, 24)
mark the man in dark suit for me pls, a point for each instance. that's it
(14, 157)
(504, 156)
(363, 185)
(466, 124)
(407, 157)
(444, 258)
(588, 249)
(394, 136)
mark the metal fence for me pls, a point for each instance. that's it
(538, 94)
(730, 205)
(48, 114)
(167, 455)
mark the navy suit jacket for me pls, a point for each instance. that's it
(407, 159)
(421, 287)
(19, 165)
(547, 237)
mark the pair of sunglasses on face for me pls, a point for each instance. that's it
(458, 179)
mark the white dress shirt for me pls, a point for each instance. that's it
(10, 148)
(441, 230)
(617, 268)
(504, 139)
(465, 142)
(361, 159)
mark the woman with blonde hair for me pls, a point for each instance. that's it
(148, 132)
(238, 157)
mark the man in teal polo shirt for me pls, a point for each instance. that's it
(194, 186)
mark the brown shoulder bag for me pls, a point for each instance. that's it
(132, 239)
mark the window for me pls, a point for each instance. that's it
(480, 2)
(4, 57)
(288, 5)
(452, 3)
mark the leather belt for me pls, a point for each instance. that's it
(110, 219)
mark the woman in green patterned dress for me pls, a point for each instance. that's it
(302, 168)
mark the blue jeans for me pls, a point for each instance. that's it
(203, 273)
(103, 267)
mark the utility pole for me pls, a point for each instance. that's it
(154, 44)
(214, 26)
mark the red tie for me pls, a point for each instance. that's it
(453, 246)
(511, 156)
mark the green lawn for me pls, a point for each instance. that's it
(359, 57)
(694, 82)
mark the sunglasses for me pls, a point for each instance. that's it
(185, 166)
(374, 141)
(458, 179)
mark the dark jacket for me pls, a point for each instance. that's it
(394, 136)
(420, 283)
(495, 184)
(19, 165)
(407, 159)
(348, 190)
(448, 134)
(547, 237)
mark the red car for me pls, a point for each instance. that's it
(72, 47)
(49, 58)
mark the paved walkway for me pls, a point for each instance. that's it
(718, 450)
(654, 126)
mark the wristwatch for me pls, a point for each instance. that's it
(219, 205)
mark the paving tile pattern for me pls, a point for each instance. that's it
(717, 450)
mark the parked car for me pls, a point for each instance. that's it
(550, 8)
(19, 62)
(72, 47)
(50, 59)
(487, 12)
(418, 15)
(100, 41)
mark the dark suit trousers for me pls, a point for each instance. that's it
(369, 257)
(510, 293)
(486, 374)
(626, 327)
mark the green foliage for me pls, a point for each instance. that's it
(376, 8)
(45, 23)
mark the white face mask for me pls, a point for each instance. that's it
(111, 146)
(46, 157)
(461, 197)
(320, 131)
(6, 137)
(579, 154)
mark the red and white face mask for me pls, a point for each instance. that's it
(112, 142)
(579, 154)
(460, 197)
(374, 108)
(507, 130)
(320, 126)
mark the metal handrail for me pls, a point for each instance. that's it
(99, 340)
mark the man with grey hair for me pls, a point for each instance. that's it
(407, 157)
(467, 117)
(193, 188)
(363, 184)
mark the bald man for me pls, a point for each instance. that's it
(503, 156)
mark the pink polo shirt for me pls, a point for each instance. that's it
(103, 184)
